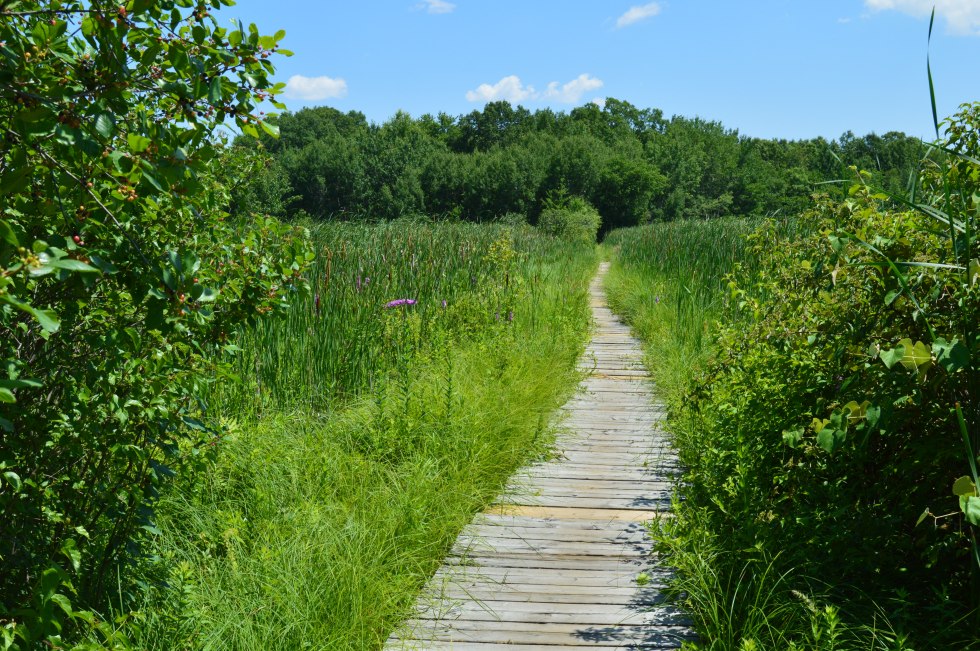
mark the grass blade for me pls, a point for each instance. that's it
(932, 86)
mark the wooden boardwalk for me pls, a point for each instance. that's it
(554, 564)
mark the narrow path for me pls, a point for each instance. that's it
(554, 564)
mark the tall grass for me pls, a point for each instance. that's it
(466, 280)
(368, 436)
(668, 280)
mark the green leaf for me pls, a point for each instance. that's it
(916, 355)
(893, 356)
(13, 479)
(207, 295)
(6, 395)
(149, 178)
(137, 143)
(70, 549)
(270, 129)
(105, 124)
(856, 412)
(214, 92)
(970, 505)
(964, 486)
(63, 602)
(46, 318)
(20, 384)
(952, 356)
(872, 415)
(72, 265)
(88, 26)
(7, 233)
(925, 514)
(830, 438)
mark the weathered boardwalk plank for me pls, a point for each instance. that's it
(553, 565)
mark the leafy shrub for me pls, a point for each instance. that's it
(842, 411)
(121, 282)
(571, 218)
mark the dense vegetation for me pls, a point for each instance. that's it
(388, 406)
(631, 164)
(234, 414)
(829, 424)
(122, 284)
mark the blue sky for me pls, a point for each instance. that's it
(769, 68)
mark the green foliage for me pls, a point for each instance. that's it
(122, 282)
(570, 218)
(630, 163)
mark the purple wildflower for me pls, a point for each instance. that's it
(400, 301)
(510, 316)
(444, 303)
(656, 299)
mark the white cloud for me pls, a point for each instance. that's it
(513, 90)
(600, 102)
(638, 13)
(509, 88)
(572, 92)
(962, 16)
(436, 6)
(314, 88)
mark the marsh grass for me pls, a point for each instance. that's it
(668, 280)
(367, 437)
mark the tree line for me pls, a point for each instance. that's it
(633, 165)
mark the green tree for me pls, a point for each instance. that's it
(626, 189)
(121, 281)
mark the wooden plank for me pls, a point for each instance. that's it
(574, 634)
(553, 518)
(577, 488)
(642, 505)
(584, 596)
(574, 513)
(556, 563)
(564, 535)
(546, 549)
(547, 612)
(537, 578)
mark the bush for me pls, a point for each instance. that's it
(842, 412)
(122, 281)
(570, 218)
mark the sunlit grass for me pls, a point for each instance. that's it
(368, 436)
(668, 280)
